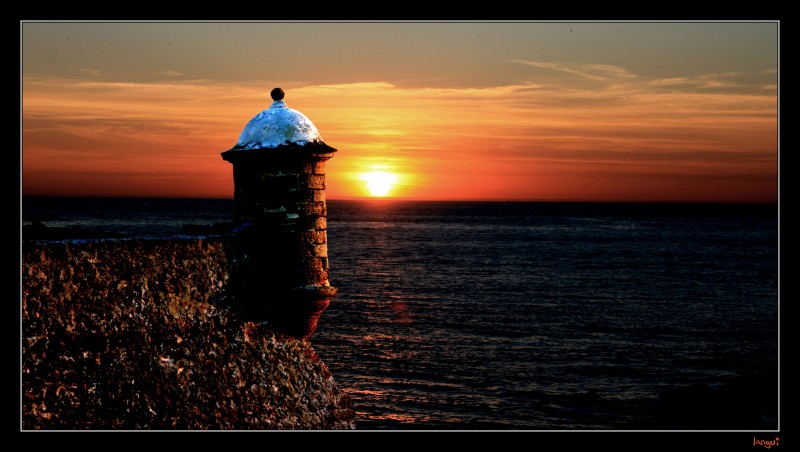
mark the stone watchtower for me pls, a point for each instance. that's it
(279, 258)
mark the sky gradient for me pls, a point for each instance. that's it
(503, 111)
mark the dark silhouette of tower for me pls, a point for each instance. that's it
(279, 258)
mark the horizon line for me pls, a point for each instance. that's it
(389, 199)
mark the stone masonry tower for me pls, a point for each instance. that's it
(279, 264)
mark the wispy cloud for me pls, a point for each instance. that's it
(91, 72)
(590, 71)
(169, 73)
(704, 81)
(610, 78)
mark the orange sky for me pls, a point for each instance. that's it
(523, 111)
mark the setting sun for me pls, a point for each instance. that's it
(379, 183)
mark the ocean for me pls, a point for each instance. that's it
(528, 316)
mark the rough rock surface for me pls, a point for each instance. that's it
(135, 335)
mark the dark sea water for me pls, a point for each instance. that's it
(529, 316)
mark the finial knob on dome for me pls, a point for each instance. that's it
(277, 126)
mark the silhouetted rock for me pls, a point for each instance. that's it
(136, 335)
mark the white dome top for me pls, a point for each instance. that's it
(275, 126)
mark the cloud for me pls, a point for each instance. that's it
(91, 72)
(608, 78)
(726, 80)
(590, 71)
(169, 73)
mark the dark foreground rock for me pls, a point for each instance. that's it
(135, 335)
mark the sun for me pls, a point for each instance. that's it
(379, 183)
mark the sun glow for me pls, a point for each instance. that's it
(379, 183)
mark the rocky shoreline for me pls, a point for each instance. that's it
(136, 335)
